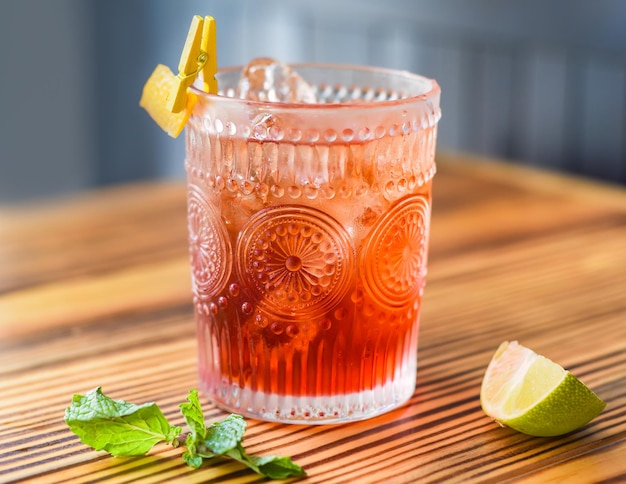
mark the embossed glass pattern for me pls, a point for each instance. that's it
(308, 234)
(295, 260)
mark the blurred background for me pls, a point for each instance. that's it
(541, 82)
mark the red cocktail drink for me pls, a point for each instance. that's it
(309, 232)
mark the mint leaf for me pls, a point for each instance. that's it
(192, 412)
(116, 426)
(225, 435)
(274, 467)
(192, 459)
(277, 467)
(194, 417)
(126, 429)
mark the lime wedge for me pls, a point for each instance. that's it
(533, 395)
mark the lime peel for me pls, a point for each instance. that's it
(533, 395)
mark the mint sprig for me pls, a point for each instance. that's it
(120, 428)
(126, 429)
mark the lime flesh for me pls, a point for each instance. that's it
(533, 395)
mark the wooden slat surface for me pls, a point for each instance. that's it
(94, 290)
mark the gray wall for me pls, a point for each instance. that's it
(47, 130)
(540, 82)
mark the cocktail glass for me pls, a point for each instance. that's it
(308, 232)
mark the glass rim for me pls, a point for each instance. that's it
(431, 93)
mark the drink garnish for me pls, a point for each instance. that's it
(534, 395)
(165, 96)
(126, 429)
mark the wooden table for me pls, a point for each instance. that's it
(94, 291)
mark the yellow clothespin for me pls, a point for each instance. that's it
(199, 55)
(209, 45)
(165, 96)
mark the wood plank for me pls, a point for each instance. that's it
(515, 254)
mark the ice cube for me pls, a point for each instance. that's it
(265, 79)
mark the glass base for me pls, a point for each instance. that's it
(313, 410)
